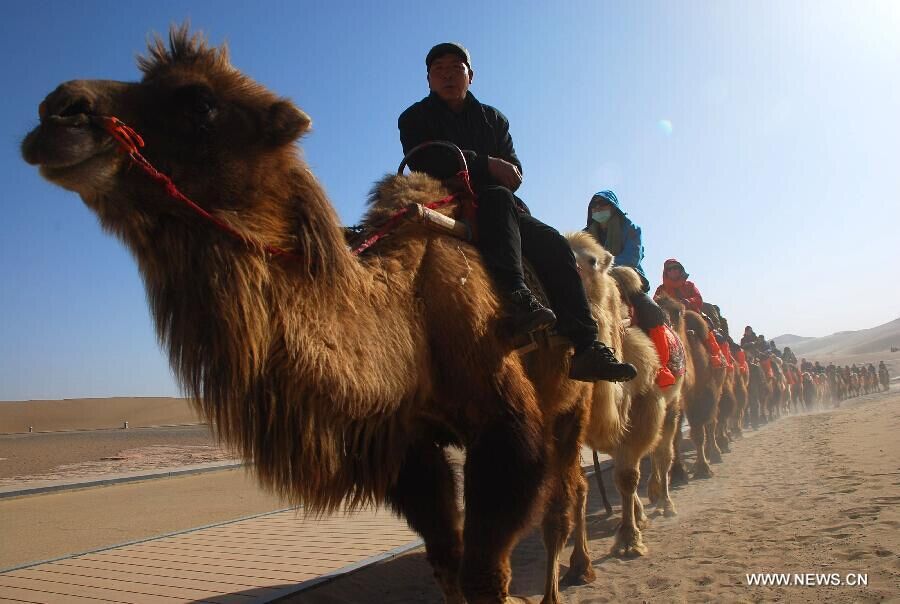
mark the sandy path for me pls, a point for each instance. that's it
(27, 458)
(807, 494)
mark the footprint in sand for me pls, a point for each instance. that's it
(659, 583)
(855, 513)
(858, 555)
(886, 500)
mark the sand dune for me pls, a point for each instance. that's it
(876, 340)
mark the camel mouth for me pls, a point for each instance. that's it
(61, 142)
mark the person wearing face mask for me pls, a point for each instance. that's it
(609, 225)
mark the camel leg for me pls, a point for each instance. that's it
(701, 466)
(627, 475)
(678, 474)
(714, 454)
(566, 479)
(425, 495)
(661, 462)
(504, 471)
(640, 516)
(580, 569)
(722, 438)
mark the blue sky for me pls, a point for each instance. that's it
(776, 185)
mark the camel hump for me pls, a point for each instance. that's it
(628, 280)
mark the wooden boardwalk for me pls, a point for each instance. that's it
(258, 559)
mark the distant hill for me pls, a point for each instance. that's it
(864, 341)
(791, 340)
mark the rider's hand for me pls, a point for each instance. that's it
(504, 173)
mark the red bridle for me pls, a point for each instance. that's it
(130, 142)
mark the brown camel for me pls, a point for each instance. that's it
(719, 427)
(627, 421)
(703, 387)
(341, 378)
(740, 383)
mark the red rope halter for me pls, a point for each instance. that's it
(130, 142)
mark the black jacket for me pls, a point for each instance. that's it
(479, 130)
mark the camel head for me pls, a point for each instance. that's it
(222, 138)
(674, 310)
(593, 263)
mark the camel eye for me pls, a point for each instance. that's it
(593, 262)
(196, 100)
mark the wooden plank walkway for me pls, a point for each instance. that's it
(246, 561)
(256, 559)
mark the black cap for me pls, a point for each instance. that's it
(447, 48)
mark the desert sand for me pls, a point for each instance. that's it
(817, 493)
(94, 414)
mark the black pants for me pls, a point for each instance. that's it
(505, 234)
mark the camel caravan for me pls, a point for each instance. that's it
(343, 370)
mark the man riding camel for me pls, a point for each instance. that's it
(506, 230)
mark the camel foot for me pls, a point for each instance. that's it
(679, 475)
(724, 448)
(579, 576)
(702, 471)
(643, 522)
(629, 545)
(666, 508)
(715, 456)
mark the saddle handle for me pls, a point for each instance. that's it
(463, 166)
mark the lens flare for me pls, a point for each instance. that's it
(665, 126)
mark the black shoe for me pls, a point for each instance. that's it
(527, 314)
(599, 362)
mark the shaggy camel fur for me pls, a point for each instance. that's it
(627, 421)
(341, 378)
(703, 388)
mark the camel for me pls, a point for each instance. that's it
(884, 377)
(703, 385)
(741, 393)
(342, 378)
(758, 393)
(627, 421)
(809, 391)
(741, 380)
(721, 425)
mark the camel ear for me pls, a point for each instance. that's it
(285, 123)
(604, 262)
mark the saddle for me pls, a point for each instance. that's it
(456, 218)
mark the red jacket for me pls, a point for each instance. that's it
(684, 291)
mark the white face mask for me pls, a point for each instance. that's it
(601, 216)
